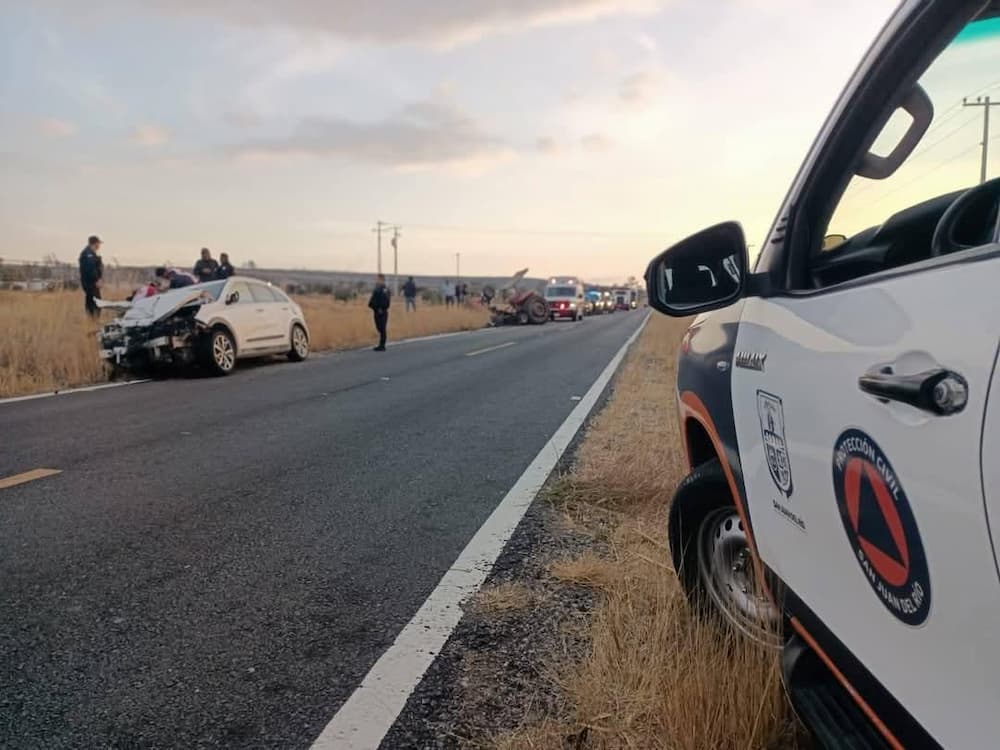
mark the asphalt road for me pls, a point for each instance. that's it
(220, 561)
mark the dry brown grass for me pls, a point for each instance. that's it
(48, 342)
(345, 325)
(654, 676)
(501, 598)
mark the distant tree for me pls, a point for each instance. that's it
(250, 265)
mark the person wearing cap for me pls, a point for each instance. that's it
(91, 274)
(207, 267)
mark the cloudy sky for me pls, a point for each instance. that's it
(569, 136)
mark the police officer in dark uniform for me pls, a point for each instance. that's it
(206, 267)
(91, 274)
(225, 269)
(379, 303)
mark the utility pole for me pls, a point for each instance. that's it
(378, 230)
(985, 103)
(458, 273)
(395, 261)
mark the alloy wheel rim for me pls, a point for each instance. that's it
(300, 343)
(222, 350)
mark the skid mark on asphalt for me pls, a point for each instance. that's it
(490, 349)
(28, 476)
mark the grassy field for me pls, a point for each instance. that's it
(49, 343)
(653, 676)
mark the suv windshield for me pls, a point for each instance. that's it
(212, 288)
(560, 291)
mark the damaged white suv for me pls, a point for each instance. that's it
(213, 324)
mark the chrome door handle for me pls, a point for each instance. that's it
(938, 391)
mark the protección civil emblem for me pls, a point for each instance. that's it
(772, 432)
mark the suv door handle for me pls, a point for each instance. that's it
(938, 391)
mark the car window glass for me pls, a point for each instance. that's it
(261, 293)
(243, 289)
(948, 159)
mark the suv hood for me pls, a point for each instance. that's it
(151, 309)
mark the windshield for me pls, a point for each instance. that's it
(560, 291)
(212, 288)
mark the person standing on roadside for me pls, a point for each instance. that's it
(410, 294)
(225, 269)
(206, 268)
(91, 275)
(448, 292)
(379, 303)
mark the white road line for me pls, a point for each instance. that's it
(363, 721)
(85, 389)
(436, 336)
(490, 349)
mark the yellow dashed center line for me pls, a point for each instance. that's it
(28, 476)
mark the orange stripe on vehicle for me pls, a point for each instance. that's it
(855, 696)
(693, 407)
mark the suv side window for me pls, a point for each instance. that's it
(243, 289)
(883, 224)
(262, 293)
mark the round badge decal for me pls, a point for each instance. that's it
(880, 526)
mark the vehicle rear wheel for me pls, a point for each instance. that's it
(300, 344)
(538, 311)
(712, 557)
(220, 353)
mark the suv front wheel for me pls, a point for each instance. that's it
(712, 556)
(219, 352)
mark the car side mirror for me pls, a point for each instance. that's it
(233, 298)
(706, 271)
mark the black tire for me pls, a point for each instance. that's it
(300, 344)
(538, 310)
(214, 356)
(712, 557)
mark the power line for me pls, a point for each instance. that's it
(926, 149)
(943, 119)
(923, 174)
(517, 231)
